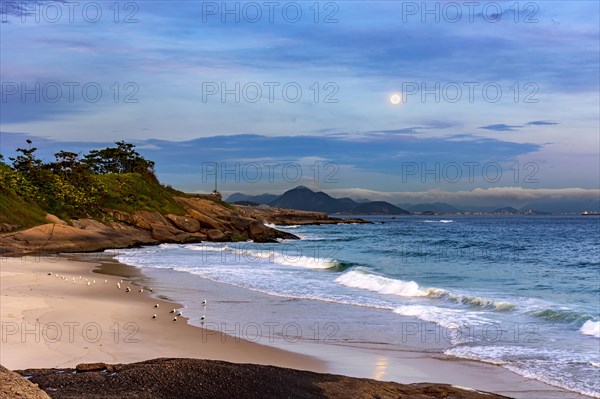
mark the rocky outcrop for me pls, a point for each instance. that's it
(286, 217)
(204, 220)
(14, 386)
(193, 378)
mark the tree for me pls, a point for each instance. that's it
(27, 162)
(120, 159)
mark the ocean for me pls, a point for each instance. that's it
(521, 292)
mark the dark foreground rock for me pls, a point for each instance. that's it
(193, 378)
(14, 386)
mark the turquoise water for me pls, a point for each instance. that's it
(521, 292)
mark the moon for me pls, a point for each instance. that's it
(395, 99)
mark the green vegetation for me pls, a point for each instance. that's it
(132, 191)
(74, 187)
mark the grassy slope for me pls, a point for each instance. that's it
(132, 192)
(127, 192)
(13, 210)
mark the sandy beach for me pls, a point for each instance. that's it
(76, 316)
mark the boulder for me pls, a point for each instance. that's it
(83, 367)
(162, 234)
(184, 223)
(206, 221)
(216, 235)
(258, 232)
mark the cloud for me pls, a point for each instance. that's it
(515, 196)
(408, 130)
(541, 123)
(501, 127)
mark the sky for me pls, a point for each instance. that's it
(360, 98)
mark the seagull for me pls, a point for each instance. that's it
(156, 305)
(204, 302)
(141, 290)
(105, 281)
(150, 289)
(80, 277)
(127, 289)
(179, 314)
(174, 318)
(173, 311)
(154, 317)
(49, 274)
(119, 285)
(202, 317)
(88, 283)
(94, 281)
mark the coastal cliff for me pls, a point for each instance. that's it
(201, 218)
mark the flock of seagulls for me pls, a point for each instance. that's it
(176, 313)
(88, 282)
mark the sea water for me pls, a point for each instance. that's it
(521, 292)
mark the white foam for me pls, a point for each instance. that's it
(309, 262)
(207, 248)
(383, 285)
(591, 328)
(439, 221)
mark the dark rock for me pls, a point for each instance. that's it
(14, 386)
(194, 378)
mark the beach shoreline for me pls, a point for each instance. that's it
(129, 334)
(60, 320)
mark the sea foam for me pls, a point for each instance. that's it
(383, 285)
(591, 328)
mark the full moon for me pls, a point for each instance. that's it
(395, 99)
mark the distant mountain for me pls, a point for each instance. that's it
(436, 207)
(259, 199)
(304, 199)
(378, 208)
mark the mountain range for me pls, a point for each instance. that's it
(303, 198)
